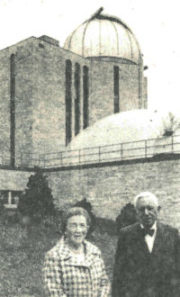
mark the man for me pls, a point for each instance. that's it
(147, 261)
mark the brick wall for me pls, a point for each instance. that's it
(4, 108)
(23, 88)
(13, 180)
(49, 97)
(131, 96)
(109, 188)
(39, 95)
(39, 98)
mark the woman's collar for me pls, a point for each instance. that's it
(65, 252)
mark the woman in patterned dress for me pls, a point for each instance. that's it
(74, 267)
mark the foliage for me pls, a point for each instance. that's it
(22, 257)
(170, 124)
(126, 217)
(101, 225)
(37, 200)
(104, 225)
(2, 206)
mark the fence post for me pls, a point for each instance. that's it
(79, 156)
(145, 148)
(39, 158)
(61, 158)
(121, 151)
(44, 160)
(172, 143)
(21, 159)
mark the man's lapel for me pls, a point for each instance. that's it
(159, 240)
(158, 243)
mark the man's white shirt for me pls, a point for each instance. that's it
(150, 239)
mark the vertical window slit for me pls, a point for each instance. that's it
(116, 89)
(77, 98)
(68, 100)
(85, 97)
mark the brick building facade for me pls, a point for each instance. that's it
(49, 94)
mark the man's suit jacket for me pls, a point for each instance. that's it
(139, 273)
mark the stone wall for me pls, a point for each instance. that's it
(14, 180)
(110, 187)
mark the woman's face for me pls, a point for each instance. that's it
(76, 230)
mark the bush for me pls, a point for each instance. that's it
(126, 217)
(2, 210)
(37, 200)
(105, 225)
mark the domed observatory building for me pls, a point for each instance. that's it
(49, 94)
(116, 69)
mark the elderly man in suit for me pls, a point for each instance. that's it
(147, 261)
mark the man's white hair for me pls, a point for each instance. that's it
(146, 194)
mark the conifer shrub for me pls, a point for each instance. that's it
(37, 200)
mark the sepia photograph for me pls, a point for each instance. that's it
(89, 148)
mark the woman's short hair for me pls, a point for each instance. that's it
(75, 211)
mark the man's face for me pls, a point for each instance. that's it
(147, 211)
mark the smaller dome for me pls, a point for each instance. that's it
(104, 36)
(128, 126)
(127, 135)
(121, 127)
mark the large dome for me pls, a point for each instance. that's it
(104, 36)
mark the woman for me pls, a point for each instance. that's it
(74, 267)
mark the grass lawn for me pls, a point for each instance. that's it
(22, 254)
